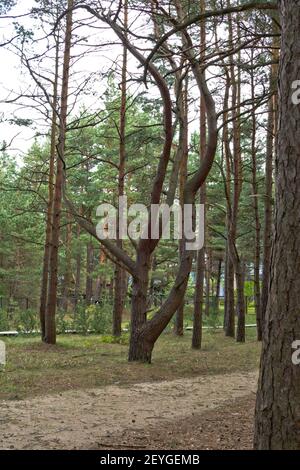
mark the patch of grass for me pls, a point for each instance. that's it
(78, 362)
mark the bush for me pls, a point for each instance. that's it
(62, 323)
(213, 320)
(95, 318)
(109, 339)
(81, 321)
(26, 321)
(4, 321)
(101, 318)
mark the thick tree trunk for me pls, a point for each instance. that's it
(277, 415)
(140, 349)
(50, 325)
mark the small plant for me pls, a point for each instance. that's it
(63, 324)
(4, 321)
(213, 320)
(101, 318)
(109, 339)
(27, 321)
(81, 322)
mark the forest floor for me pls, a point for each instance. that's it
(185, 399)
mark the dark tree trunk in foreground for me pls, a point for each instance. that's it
(50, 324)
(277, 419)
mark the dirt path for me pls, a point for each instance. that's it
(90, 418)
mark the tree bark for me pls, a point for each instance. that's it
(256, 213)
(229, 312)
(89, 273)
(200, 265)
(119, 292)
(183, 136)
(50, 324)
(268, 204)
(78, 266)
(218, 285)
(47, 249)
(237, 188)
(277, 416)
(66, 293)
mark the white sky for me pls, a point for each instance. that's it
(14, 78)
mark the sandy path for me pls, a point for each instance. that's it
(84, 418)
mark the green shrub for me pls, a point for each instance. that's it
(109, 339)
(101, 318)
(81, 320)
(4, 321)
(62, 323)
(213, 320)
(26, 320)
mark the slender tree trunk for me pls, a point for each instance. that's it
(200, 264)
(119, 292)
(229, 312)
(256, 213)
(68, 267)
(183, 135)
(89, 273)
(237, 188)
(229, 293)
(47, 249)
(78, 266)
(241, 307)
(208, 281)
(277, 415)
(218, 285)
(268, 206)
(50, 325)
